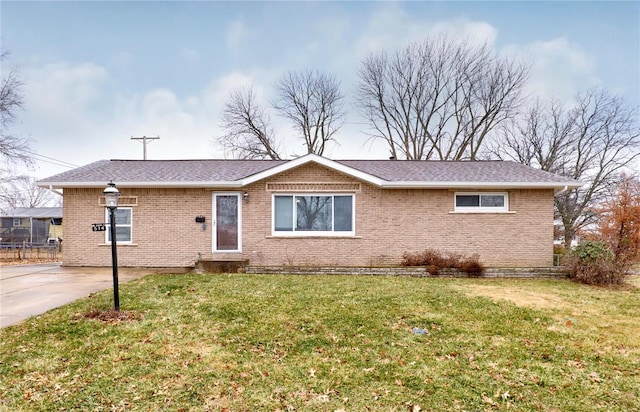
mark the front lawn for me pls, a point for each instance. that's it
(330, 343)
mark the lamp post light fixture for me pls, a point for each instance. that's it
(111, 195)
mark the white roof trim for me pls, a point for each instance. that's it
(481, 185)
(383, 184)
(197, 184)
(316, 159)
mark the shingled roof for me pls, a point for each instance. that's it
(239, 173)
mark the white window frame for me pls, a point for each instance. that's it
(313, 233)
(481, 209)
(18, 221)
(106, 219)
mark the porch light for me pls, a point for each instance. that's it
(111, 195)
(245, 196)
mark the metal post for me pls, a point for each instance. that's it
(114, 258)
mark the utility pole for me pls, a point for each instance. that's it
(145, 140)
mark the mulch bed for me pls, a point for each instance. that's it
(111, 315)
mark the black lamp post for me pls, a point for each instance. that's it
(111, 195)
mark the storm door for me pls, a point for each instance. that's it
(227, 222)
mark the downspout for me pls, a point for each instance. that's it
(31, 230)
(54, 191)
(564, 189)
(55, 232)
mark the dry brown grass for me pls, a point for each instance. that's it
(595, 309)
(15, 262)
(520, 297)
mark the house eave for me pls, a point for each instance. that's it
(158, 185)
(478, 185)
(381, 183)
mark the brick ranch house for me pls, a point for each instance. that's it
(309, 211)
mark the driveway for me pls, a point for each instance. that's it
(29, 290)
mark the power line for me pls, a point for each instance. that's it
(52, 160)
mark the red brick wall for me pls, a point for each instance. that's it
(389, 222)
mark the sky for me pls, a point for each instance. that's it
(98, 73)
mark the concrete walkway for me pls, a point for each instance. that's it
(29, 290)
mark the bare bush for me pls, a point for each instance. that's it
(436, 260)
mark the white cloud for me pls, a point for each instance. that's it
(73, 115)
(62, 81)
(391, 27)
(475, 31)
(61, 98)
(559, 69)
(182, 123)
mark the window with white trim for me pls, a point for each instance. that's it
(17, 222)
(124, 225)
(481, 202)
(313, 215)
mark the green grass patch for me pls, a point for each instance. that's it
(327, 343)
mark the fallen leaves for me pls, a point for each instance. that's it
(595, 377)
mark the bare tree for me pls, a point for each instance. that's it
(248, 131)
(593, 142)
(312, 102)
(543, 138)
(12, 148)
(22, 192)
(438, 99)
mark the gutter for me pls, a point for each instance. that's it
(96, 185)
(475, 185)
(382, 184)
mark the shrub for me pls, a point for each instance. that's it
(472, 266)
(435, 260)
(592, 251)
(594, 263)
(411, 259)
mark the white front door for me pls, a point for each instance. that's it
(227, 222)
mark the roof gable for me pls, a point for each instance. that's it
(313, 158)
